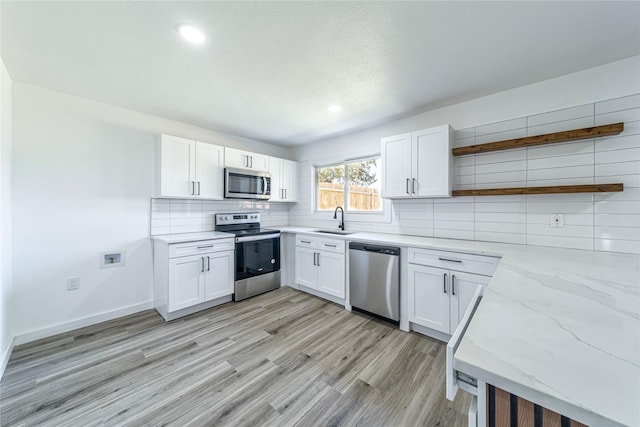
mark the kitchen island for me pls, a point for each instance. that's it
(558, 327)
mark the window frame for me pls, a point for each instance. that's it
(381, 216)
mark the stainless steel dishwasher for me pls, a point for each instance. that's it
(374, 279)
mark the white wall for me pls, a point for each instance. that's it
(5, 216)
(82, 182)
(602, 221)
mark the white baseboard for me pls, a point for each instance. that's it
(6, 354)
(59, 328)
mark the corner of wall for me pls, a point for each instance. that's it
(6, 277)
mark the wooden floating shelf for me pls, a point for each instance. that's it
(556, 189)
(549, 138)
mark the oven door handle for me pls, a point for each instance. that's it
(258, 237)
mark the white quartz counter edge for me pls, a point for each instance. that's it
(192, 237)
(559, 327)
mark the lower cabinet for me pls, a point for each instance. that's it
(199, 278)
(187, 275)
(321, 269)
(439, 297)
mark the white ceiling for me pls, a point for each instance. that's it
(270, 69)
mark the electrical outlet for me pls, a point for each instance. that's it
(556, 220)
(73, 283)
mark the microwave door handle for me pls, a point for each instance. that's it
(264, 185)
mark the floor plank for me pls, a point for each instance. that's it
(285, 358)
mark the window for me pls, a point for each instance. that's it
(354, 185)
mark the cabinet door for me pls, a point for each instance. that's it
(428, 295)
(186, 284)
(463, 286)
(396, 166)
(306, 270)
(289, 176)
(177, 166)
(209, 171)
(259, 162)
(432, 162)
(218, 281)
(331, 274)
(236, 158)
(275, 169)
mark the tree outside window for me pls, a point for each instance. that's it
(354, 185)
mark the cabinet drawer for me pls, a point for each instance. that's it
(307, 241)
(477, 264)
(203, 246)
(332, 245)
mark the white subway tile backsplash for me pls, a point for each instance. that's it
(618, 142)
(519, 165)
(566, 149)
(501, 217)
(629, 246)
(622, 168)
(569, 219)
(501, 156)
(453, 216)
(580, 123)
(617, 156)
(624, 207)
(488, 236)
(498, 127)
(561, 161)
(585, 231)
(624, 103)
(566, 114)
(618, 220)
(501, 136)
(505, 179)
(561, 241)
(453, 234)
(618, 233)
(626, 116)
(517, 207)
(501, 227)
(561, 172)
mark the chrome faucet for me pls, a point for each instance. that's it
(335, 216)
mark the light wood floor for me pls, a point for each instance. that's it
(282, 358)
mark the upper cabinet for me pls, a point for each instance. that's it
(418, 164)
(189, 168)
(284, 178)
(234, 158)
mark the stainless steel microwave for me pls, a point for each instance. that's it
(246, 184)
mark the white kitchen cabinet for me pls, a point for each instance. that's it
(428, 302)
(320, 264)
(418, 164)
(192, 276)
(441, 285)
(331, 273)
(284, 178)
(306, 272)
(234, 158)
(186, 282)
(218, 276)
(189, 168)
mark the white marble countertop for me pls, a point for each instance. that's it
(559, 327)
(192, 237)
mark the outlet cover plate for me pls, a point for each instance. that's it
(73, 283)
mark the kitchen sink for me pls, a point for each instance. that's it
(338, 232)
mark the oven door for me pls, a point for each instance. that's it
(246, 184)
(257, 255)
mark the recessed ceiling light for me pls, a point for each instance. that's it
(191, 34)
(335, 108)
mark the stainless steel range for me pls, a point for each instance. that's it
(257, 253)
